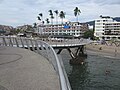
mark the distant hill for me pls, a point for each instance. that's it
(25, 28)
(91, 23)
(117, 19)
(4, 29)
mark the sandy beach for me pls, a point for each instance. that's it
(104, 50)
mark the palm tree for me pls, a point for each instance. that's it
(43, 22)
(76, 13)
(39, 18)
(47, 21)
(41, 15)
(51, 16)
(62, 16)
(56, 12)
(34, 25)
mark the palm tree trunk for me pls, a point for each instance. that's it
(77, 18)
(62, 21)
(56, 19)
(51, 21)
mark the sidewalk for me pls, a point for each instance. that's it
(21, 69)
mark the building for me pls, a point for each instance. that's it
(70, 28)
(6, 30)
(107, 28)
(112, 30)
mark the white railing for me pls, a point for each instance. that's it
(69, 42)
(43, 49)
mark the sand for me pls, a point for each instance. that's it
(104, 50)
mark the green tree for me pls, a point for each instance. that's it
(56, 12)
(51, 16)
(34, 25)
(18, 31)
(62, 16)
(41, 15)
(76, 13)
(47, 21)
(89, 34)
(39, 18)
(43, 22)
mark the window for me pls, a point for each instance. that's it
(98, 20)
(114, 37)
(108, 37)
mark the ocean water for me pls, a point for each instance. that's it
(97, 73)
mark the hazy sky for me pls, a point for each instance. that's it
(20, 12)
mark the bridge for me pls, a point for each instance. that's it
(43, 49)
(33, 44)
(46, 49)
(70, 43)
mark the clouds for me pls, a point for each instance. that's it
(106, 2)
(16, 12)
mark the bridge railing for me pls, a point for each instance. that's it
(43, 49)
(69, 42)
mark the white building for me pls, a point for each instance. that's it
(112, 30)
(72, 28)
(107, 28)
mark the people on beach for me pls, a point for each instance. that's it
(115, 51)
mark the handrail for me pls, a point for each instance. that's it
(69, 42)
(43, 49)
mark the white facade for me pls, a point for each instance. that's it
(112, 30)
(71, 28)
(106, 27)
(100, 26)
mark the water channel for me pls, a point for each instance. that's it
(97, 73)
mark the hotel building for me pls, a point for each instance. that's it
(70, 28)
(107, 28)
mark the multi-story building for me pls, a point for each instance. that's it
(107, 28)
(70, 28)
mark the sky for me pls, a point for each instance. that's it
(21, 12)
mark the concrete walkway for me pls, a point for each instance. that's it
(22, 69)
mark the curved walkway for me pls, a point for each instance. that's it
(22, 69)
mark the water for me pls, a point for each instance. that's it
(97, 73)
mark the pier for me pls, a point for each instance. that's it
(22, 69)
(33, 44)
(41, 48)
(46, 50)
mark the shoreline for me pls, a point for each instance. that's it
(103, 50)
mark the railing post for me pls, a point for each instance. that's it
(33, 48)
(10, 41)
(36, 44)
(27, 42)
(4, 41)
(16, 42)
(22, 42)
